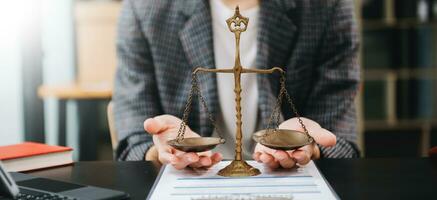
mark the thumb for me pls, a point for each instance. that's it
(324, 137)
(320, 135)
(155, 125)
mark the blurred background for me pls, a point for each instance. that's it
(57, 61)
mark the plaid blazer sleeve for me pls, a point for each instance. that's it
(135, 91)
(331, 101)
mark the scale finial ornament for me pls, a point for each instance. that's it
(237, 23)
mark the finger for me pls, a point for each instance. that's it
(204, 161)
(185, 159)
(287, 163)
(154, 126)
(166, 157)
(280, 155)
(266, 156)
(268, 160)
(320, 135)
(294, 124)
(215, 158)
(205, 153)
(284, 159)
(324, 137)
(256, 156)
(302, 155)
(195, 165)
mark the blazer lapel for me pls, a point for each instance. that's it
(275, 44)
(197, 43)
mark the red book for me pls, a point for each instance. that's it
(30, 156)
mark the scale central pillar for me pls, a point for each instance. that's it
(238, 166)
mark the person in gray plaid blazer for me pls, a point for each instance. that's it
(160, 42)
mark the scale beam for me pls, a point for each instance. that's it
(200, 69)
(263, 71)
(244, 70)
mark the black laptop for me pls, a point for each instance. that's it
(22, 186)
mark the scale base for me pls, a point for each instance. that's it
(239, 168)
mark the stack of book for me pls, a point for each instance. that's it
(31, 156)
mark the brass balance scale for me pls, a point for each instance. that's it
(272, 137)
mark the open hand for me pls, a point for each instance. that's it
(288, 159)
(165, 128)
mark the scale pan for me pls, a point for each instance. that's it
(282, 139)
(196, 144)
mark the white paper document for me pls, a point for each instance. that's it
(301, 183)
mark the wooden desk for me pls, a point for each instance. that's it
(77, 103)
(382, 178)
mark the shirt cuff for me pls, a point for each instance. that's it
(134, 148)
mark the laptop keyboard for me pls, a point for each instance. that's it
(26, 194)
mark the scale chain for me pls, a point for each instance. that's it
(276, 113)
(195, 88)
(187, 109)
(202, 99)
